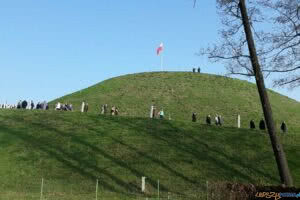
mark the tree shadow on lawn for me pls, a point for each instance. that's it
(72, 161)
(168, 133)
(121, 163)
(64, 157)
(171, 137)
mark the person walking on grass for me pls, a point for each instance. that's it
(262, 125)
(31, 105)
(283, 127)
(161, 114)
(194, 117)
(86, 107)
(102, 110)
(217, 120)
(252, 124)
(220, 120)
(113, 110)
(208, 120)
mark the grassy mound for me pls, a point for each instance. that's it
(70, 150)
(181, 93)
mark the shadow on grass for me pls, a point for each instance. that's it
(202, 151)
(62, 156)
(161, 131)
(79, 164)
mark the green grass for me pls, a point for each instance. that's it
(70, 150)
(181, 93)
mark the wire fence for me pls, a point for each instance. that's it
(43, 189)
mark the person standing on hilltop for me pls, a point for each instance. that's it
(161, 114)
(44, 105)
(116, 111)
(154, 112)
(283, 127)
(208, 120)
(217, 120)
(24, 104)
(18, 105)
(252, 124)
(57, 107)
(102, 109)
(70, 107)
(262, 125)
(194, 117)
(31, 105)
(86, 107)
(105, 108)
(220, 120)
(113, 110)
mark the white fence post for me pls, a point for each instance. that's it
(42, 187)
(143, 183)
(97, 189)
(206, 190)
(158, 189)
(239, 121)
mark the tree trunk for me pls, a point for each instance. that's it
(276, 145)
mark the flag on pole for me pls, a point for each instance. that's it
(160, 48)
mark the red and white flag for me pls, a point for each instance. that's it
(160, 48)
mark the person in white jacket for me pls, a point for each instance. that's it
(58, 106)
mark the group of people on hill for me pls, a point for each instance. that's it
(262, 125)
(64, 107)
(23, 104)
(198, 70)
(7, 106)
(113, 111)
(84, 107)
(40, 105)
(218, 119)
(219, 122)
(154, 114)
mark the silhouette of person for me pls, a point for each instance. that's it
(194, 117)
(208, 120)
(252, 124)
(283, 127)
(262, 125)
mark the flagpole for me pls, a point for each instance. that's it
(161, 62)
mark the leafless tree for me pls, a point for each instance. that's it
(283, 52)
(248, 50)
(276, 27)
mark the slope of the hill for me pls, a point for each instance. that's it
(70, 150)
(181, 93)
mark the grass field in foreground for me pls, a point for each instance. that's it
(70, 150)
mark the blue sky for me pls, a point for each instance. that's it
(52, 48)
